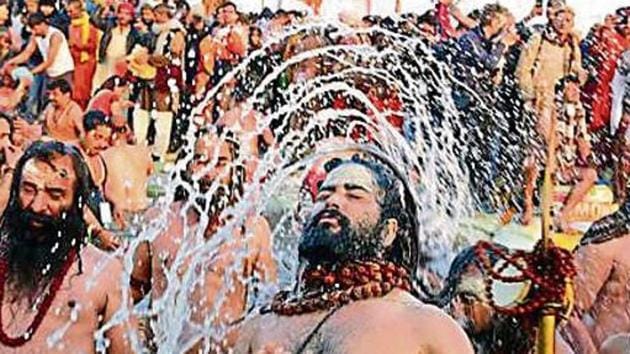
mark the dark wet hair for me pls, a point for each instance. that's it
(113, 82)
(36, 19)
(609, 227)
(394, 205)
(458, 267)
(224, 5)
(94, 119)
(47, 151)
(60, 84)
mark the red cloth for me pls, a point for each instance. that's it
(313, 179)
(127, 8)
(166, 73)
(102, 101)
(83, 71)
(597, 93)
(391, 103)
(444, 22)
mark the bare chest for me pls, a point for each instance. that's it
(327, 332)
(68, 325)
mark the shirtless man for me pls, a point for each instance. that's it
(211, 163)
(358, 249)
(243, 124)
(128, 170)
(10, 153)
(98, 133)
(47, 265)
(464, 298)
(97, 139)
(602, 308)
(63, 116)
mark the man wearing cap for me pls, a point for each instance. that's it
(167, 57)
(118, 40)
(548, 57)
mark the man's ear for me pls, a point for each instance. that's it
(390, 231)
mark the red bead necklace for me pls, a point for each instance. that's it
(547, 270)
(329, 288)
(19, 341)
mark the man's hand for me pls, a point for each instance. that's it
(119, 219)
(584, 148)
(21, 126)
(109, 240)
(12, 155)
(8, 67)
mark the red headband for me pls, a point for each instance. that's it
(126, 7)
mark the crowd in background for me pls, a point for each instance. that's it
(102, 74)
(124, 82)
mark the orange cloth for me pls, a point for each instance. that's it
(84, 56)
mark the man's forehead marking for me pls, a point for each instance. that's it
(351, 174)
(60, 167)
(56, 165)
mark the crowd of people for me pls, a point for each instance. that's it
(98, 96)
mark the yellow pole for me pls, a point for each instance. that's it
(547, 323)
(547, 332)
(398, 7)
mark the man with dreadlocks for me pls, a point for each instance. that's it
(465, 298)
(359, 252)
(194, 220)
(46, 262)
(601, 286)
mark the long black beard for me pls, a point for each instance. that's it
(319, 245)
(35, 256)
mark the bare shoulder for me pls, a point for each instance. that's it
(258, 225)
(102, 264)
(412, 325)
(246, 333)
(102, 272)
(170, 232)
(608, 249)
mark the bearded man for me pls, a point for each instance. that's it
(167, 256)
(601, 293)
(359, 253)
(464, 297)
(46, 265)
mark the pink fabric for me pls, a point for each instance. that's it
(444, 22)
(102, 101)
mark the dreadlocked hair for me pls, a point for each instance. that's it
(394, 205)
(85, 188)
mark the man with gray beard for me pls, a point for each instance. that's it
(360, 254)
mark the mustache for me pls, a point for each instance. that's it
(328, 214)
(27, 217)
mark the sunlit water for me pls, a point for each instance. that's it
(428, 157)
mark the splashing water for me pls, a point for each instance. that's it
(426, 152)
